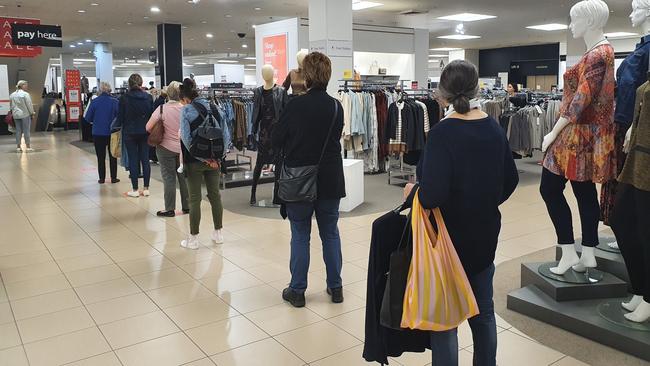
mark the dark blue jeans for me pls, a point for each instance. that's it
(327, 217)
(444, 345)
(138, 151)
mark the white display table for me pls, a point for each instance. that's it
(354, 189)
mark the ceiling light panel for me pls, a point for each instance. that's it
(155, 9)
(459, 37)
(549, 27)
(445, 49)
(361, 4)
(227, 61)
(467, 17)
(621, 34)
(438, 56)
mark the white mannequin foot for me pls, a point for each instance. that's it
(633, 303)
(641, 314)
(587, 260)
(569, 259)
(613, 245)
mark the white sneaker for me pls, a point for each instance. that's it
(146, 193)
(191, 243)
(19, 150)
(134, 194)
(217, 236)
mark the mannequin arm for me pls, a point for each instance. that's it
(628, 137)
(550, 138)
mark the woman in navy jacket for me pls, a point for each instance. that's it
(101, 113)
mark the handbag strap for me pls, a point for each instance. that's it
(161, 113)
(329, 133)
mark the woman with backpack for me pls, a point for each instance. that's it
(200, 120)
(135, 108)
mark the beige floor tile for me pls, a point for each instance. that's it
(254, 298)
(3, 294)
(282, 318)
(413, 359)
(321, 304)
(10, 336)
(569, 361)
(179, 294)
(67, 348)
(38, 286)
(516, 350)
(138, 329)
(353, 322)
(6, 315)
(352, 252)
(350, 357)
(95, 275)
(54, 324)
(84, 262)
(121, 308)
(301, 341)
(74, 250)
(210, 268)
(271, 272)
(349, 274)
(129, 254)
(203, 362)
(106, 359)
(14, 356)
(146, 265)
(181, 256)
(171, 350)
(44, 304)
(166, 277)
(225, 335)
(29, 272)
(107, 290)
(26, 259)
(267, 352)
(358, 289)
(200, 312)
(231, 282)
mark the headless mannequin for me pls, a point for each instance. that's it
(640, 309)
(268, 73)
(295, 79)
(593, 36)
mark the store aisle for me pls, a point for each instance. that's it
(91, 277)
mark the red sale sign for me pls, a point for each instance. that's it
(7, 48)
(275, 54)
(73, 94)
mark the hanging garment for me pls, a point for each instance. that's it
(635, 171)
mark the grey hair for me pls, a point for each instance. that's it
(21, 83)
(104, 87)
(593, 9)
(174, 91)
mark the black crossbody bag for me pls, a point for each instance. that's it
(300, 184)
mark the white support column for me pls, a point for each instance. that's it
(104, 64)
(421, 51)
(330, 32)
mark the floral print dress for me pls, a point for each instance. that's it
(585, 150)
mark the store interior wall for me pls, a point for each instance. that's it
(32, 69)
(401, 64)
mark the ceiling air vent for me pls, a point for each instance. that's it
(410, 12)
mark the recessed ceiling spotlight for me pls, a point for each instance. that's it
(548, 27)
(129, 23)
(459, 37)
(94, 4)
(191, 39)
(72, 46)
(250, 58)
(438, 56)
(80, 43)
(228, 16)
(154, 9)
(209, 35)
(258, 9)
(142, 49)
(467, 17)
(254, 26)
(145, 17)
(204, 22)
(152, 47)
(89, 40)
(244, 45)
(81, 11)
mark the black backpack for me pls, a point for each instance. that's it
(207, 138)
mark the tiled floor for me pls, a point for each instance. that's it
(90, 277)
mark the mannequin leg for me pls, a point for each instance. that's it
(257, 172)
(587, 198)
(552, 191)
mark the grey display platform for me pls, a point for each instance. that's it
(607, 262)
(609, 286)
(580, 317)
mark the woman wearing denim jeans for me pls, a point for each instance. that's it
(467, 171)
(22, 111)
(301, 133)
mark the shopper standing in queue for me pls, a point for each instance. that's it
(467, 171)
(22, 111)
(101, 112)
(135, 108)
(198, 171)
(301, 133)
(169, 114)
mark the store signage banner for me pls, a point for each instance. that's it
(275, 54)
(36, 35)
(7, 47)
(73, 92)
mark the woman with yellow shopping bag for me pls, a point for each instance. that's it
(465, 173)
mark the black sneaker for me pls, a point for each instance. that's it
(166, 213)
(113, 181)
(186, 211)
(294, 298)
(337, 294)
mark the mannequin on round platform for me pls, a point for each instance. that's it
(269, 100)
(580, 148)
(629, 77)
(296, 79)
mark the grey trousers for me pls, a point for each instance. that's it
(169, 162)
(23, 127)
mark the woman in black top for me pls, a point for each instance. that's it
(301, 134)
(467, 171)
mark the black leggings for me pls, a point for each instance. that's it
(257, 172)
(552, 190)
(102, 144)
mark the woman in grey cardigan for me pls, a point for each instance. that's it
(22, 111)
